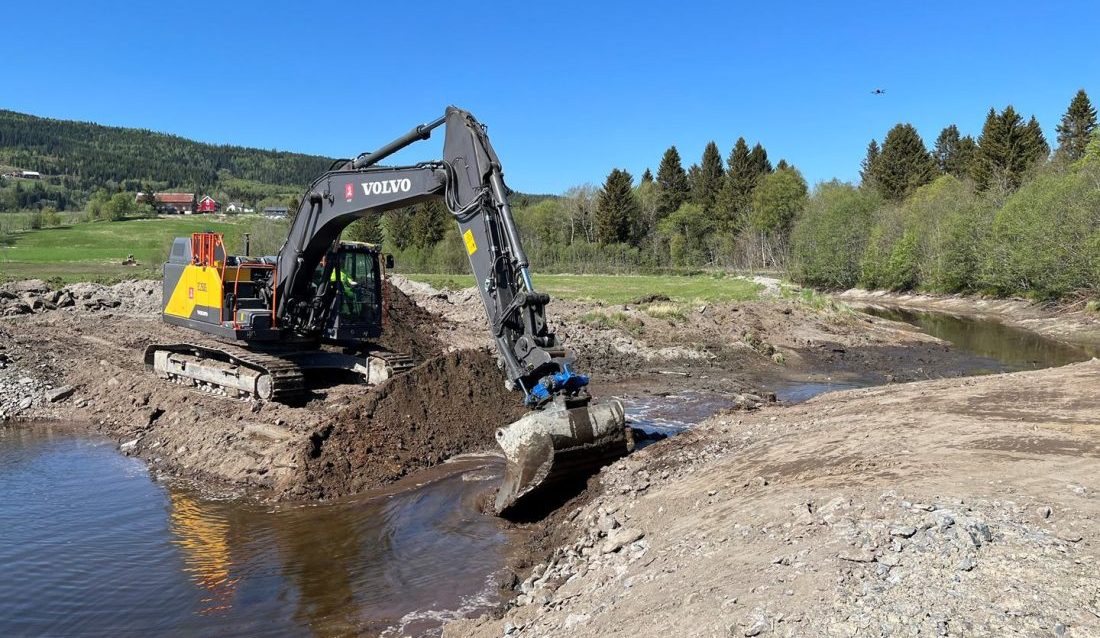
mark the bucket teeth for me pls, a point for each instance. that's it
(558, 444)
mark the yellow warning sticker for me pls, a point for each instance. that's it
(471, 245)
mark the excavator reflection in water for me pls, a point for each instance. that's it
(406, 556)
(203, 538)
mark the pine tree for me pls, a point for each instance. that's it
(673, 184)
(947, 149)
(693, 182)
(867, 166)
(759, 160)
(429, 223)
(1007, 150)
(783, 166)
(965, 153)
(1036, 141)
(647, 177)
(368, 229)
(953, 153)
(709, 183)
(903, 165)
(617, 209)
(1076, 128)
(736, 196)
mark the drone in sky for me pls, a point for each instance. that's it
(878, 92)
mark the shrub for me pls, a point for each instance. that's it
(828, 240)
(1045, 241)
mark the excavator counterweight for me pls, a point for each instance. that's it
(284, 316)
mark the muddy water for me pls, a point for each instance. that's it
(90, 545)
(1004, 348)
(992, 348)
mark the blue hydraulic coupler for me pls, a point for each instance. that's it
(564, 381)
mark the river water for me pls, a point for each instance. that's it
(92, 546)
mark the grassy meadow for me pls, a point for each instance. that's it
(95, 251)
(619, 289)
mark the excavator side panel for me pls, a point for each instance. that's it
(195, 294)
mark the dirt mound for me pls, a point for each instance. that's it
(449, 405)
(408, 328)
(137, 297)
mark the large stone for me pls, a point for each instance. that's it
(60, 394)
(620, 537)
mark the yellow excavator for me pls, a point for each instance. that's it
(270, 318)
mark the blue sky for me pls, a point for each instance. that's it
(569, 90)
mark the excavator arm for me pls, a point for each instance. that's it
(566, 436)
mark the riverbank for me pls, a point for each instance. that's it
(947, 507)
(756, 483)
(86, 342)
(1070, 323)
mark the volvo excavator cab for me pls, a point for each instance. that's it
(349, 282)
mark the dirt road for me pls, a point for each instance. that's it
(949, 507)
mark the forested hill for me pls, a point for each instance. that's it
(95, 155)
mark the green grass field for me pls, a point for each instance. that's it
(623, 288)
(95, 251)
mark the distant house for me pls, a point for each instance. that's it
(207, 205)
(276, 211)
(23, 175)
(181, 203)
(234, 207)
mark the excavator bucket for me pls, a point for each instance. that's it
(558, 444)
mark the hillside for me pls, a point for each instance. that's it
(82, 156)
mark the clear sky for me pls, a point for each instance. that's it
(569, 90)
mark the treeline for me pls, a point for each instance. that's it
(718, 213)
(999, 214)
(80, 157)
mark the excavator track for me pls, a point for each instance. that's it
(228, 370)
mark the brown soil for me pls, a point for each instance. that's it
(348, 438)
(450, 405)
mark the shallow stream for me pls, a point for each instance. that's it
(90, 545)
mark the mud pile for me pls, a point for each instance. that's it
(407, 327)
(449, 405)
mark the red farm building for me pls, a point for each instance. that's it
(207, 205)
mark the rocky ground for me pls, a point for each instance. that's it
(939, 508)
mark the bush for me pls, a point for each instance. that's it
(829, 239)
(1045, 241)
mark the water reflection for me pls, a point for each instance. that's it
(1011, 348)
(91, 546)
(203, 538)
